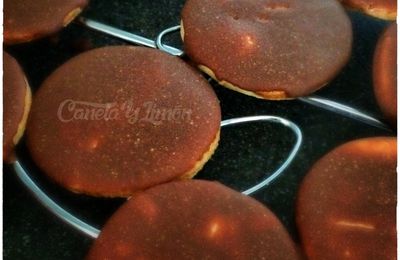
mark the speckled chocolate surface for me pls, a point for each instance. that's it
(14, 92)
(193, 220)
(27, 20)
(246, 153)
(385, 73)
(346, 205)
(266, 46)
(125, 118)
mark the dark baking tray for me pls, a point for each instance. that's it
(245, 153)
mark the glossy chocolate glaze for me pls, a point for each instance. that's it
(385, 73)
(14, 93)
(269, 47)
(193, 220)
(346, 206)
(123, 148)
(26, 20)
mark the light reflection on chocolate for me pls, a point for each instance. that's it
(193, 220)
(346, 205)
(385, 73)
(273, 49)
(80, 116)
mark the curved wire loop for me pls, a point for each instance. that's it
(53, 206)
(277, 120)
(165, 48)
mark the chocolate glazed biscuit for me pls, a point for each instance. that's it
(27, 20)
(116, 120)
(268, 49)
(193, 220)
(346, 207)
(17, 102)
(385, 73)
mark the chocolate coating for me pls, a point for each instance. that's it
(346, 206)
(385, 73)
(97, 124)
(26, 20)
(193, 220)
(274, 49)
(384, 9)
(15, 91)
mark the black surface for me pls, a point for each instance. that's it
(245, 153)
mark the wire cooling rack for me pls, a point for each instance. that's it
(330, 105)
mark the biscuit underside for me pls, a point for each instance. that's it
(383, 14)
(71, 16)
(182, 32)
(380, 13)
(10, 158)
(29, 37)
(270, 95)
(22, 124)
(188, 175)
(206, 156)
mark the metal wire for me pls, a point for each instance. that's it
(123, 35)
(277, 120)
(53, 206)
(165, 48)
(344, 110)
